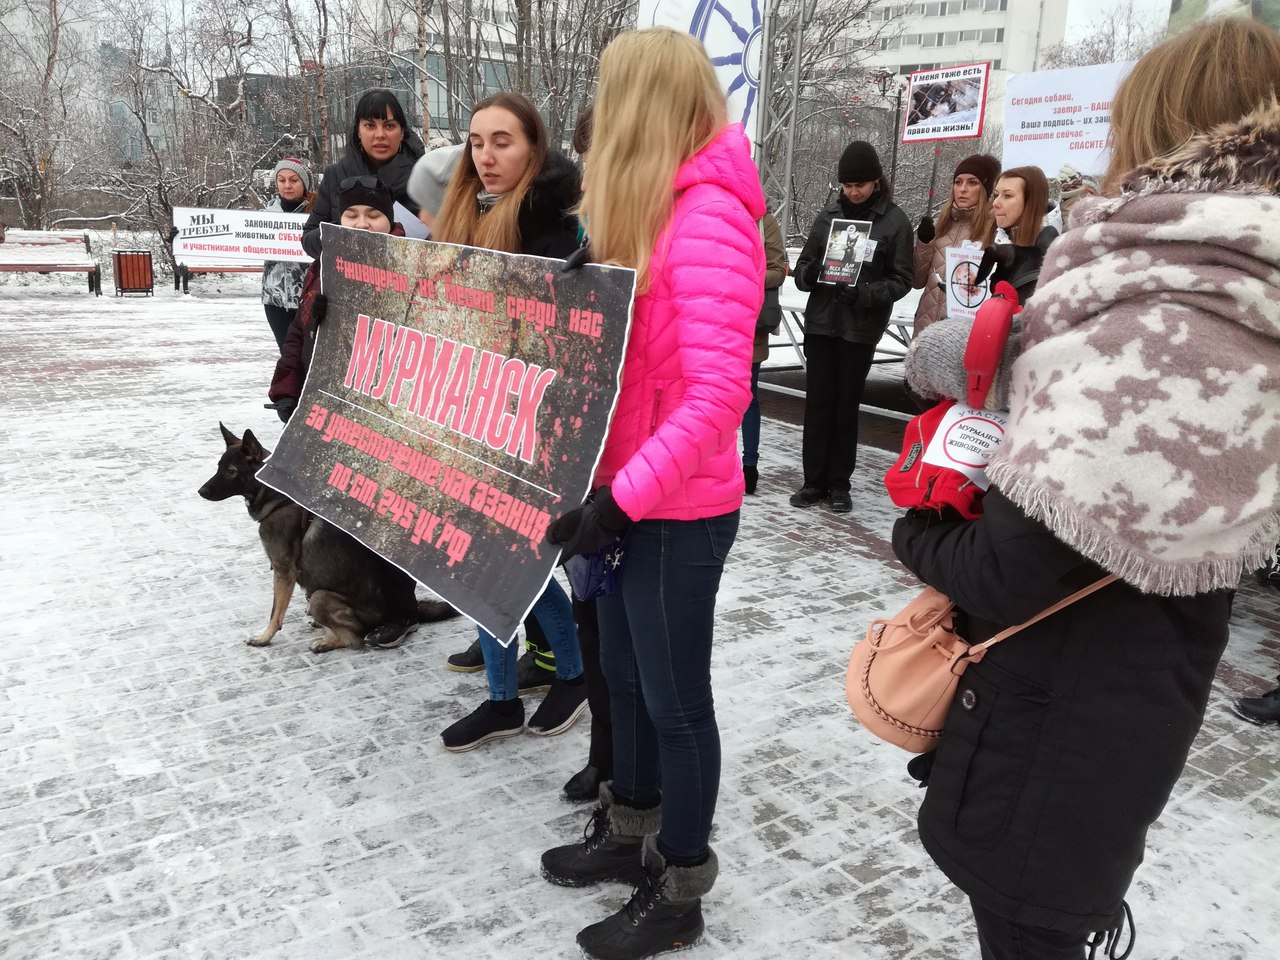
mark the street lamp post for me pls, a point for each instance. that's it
(882, 80)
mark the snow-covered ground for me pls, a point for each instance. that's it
(170, 792)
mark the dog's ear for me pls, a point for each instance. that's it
(230, 438)
(251, 448)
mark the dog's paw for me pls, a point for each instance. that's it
(325, 644)
(260, 639)
(313, 623)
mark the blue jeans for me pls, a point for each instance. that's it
(555, 616)
(655, 647)
(751, 422)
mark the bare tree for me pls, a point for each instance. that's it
(1118, 35)
(42, 85)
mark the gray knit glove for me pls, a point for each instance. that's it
(935, 363)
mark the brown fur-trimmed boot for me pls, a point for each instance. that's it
(664, 912)
(610, 846)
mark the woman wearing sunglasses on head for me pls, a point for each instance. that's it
(380, 144)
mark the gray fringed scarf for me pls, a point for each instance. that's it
(1145, 406)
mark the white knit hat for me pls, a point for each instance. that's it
(430, 177)
(298, 167)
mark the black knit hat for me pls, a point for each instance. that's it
(986, 168)
(368, 191)
(859, 164)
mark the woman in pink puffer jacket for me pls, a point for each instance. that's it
(670, 190)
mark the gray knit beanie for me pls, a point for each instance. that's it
(298, 167)
(430, 177)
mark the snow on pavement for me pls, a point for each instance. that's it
(171, 792)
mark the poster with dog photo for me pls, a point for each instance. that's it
(457, 402)
(849, 245)
(946, 104)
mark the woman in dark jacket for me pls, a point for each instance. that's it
(843, 323)
(1021, 196)
(1064, 744)
(380, 144)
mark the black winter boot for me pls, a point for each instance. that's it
(1263, 709)
(664, 912)
(610, 847)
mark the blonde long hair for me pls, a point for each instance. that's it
(658, 103)
(1212, 74)
(460, 219)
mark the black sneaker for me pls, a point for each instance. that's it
(532, 676)
(646, 926)
(1261, 710)
(840, 501)
(600, 856)
(807, 496)
(390, 635)
(469, 660)
(483, 724)
(584, 786)
(750, 477)
(560, 709)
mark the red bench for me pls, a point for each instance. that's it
(189, 265)
(50, 251)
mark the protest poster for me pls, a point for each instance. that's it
(966, 440)
(848, 244)
(238, 235)
(1057, 117)
(946, 104)
(457, 402)
(964, 294)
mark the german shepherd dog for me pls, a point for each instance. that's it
(350, 589)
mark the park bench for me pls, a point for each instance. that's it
(50, 251)
(189, 264)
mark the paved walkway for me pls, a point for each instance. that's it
(170, 792)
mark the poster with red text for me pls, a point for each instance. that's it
(1057, 117)
(457, 402)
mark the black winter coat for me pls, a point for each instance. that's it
(883, 281)
(1024, 272)
(394, 173)
(548, 226)
(1064, 743)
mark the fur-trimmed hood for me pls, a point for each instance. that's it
(548, 226)
(1241, 154)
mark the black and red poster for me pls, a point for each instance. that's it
(457, 402)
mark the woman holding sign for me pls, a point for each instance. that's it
(966, 217)
(845, 319)
(672, 192)
(510, 192)
(1141, 442)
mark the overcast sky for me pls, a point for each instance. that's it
(1080, 13)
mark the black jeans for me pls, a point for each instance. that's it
(655, 646)
(279, 319)
(835, 373)
(1001, 939)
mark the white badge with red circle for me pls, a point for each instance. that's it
(965, 441)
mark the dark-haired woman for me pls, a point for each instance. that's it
(511, 193)
(380, 144)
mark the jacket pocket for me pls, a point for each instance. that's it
(657, 406)
(987, 750)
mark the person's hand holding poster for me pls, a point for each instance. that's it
(457, 402)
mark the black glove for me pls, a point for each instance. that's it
(319, 309)
(595, 524)
(812, 272)
(579, 258)
(847, 296)
(998, 254)
(285, 407)
(925, 232)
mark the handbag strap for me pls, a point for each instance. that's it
(980, 648)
